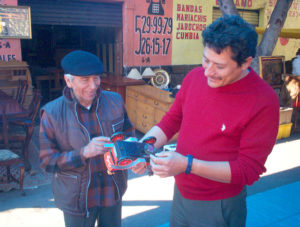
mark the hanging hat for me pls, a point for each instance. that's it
(134, 74)
(81, 63)
(148, 73)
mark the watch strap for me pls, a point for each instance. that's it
(189, 165)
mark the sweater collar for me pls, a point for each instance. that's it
(238, 84)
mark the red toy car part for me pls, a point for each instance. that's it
(124, 154)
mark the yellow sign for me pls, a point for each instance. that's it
(190, 18)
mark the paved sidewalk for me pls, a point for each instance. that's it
(274, 200)
(278, 207)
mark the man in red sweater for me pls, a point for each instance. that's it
(227, 118)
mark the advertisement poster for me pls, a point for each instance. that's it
(164, 32)
(151, 40)
(190, 18)
(168, 32)
(10, 49)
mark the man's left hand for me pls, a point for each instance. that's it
(168, 163)
(139, 168)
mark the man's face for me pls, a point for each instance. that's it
(84, 88)
(220, 69)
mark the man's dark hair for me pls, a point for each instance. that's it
(231, 31)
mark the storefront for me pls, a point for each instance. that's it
(132, 33)
(59, 27)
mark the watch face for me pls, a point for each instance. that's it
(161, 79)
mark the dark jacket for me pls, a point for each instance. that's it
(62, 136)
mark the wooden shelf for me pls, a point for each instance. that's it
(119, 84)
(146, 105)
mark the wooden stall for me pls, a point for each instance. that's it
(147, 105)
(118, 84)
(10, 73)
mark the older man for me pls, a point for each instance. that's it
(73, 131)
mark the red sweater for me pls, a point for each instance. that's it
(236, 123)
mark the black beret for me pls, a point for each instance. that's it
(81, 63)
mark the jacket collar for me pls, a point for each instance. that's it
(70, 98)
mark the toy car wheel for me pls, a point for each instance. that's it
(117, 136)
(124, 162)
(150, 140)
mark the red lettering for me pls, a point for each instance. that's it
(187, 8)
(249, 3)
(185, 26)
(200, 9)
(187, 35)
(183, 9)
(243, 2)
(182, 17)
(271, 2)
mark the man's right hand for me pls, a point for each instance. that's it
(96, 147)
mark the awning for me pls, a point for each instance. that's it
(285, 32)
(74, 13)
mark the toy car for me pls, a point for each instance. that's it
(124, 154)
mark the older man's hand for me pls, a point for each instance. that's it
(96, 147)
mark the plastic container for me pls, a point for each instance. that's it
(285, 115)
(284, 131)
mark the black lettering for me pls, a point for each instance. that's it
(7, 45)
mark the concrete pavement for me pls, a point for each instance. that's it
(272, 201)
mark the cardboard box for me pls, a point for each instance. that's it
(285, 116)
(284, 131)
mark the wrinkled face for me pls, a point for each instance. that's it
(84, 88)
(220, 69)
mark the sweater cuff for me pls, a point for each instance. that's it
(235, 173)
(166, 130)
(83, 159)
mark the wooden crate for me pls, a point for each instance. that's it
(146, 105)
(285, 115)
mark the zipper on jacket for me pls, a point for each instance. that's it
(65, 175)
(89, 166)
(98, 118)
(87, 190)
(117, 187)
(114, 125)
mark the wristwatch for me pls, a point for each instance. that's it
(189, 165)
